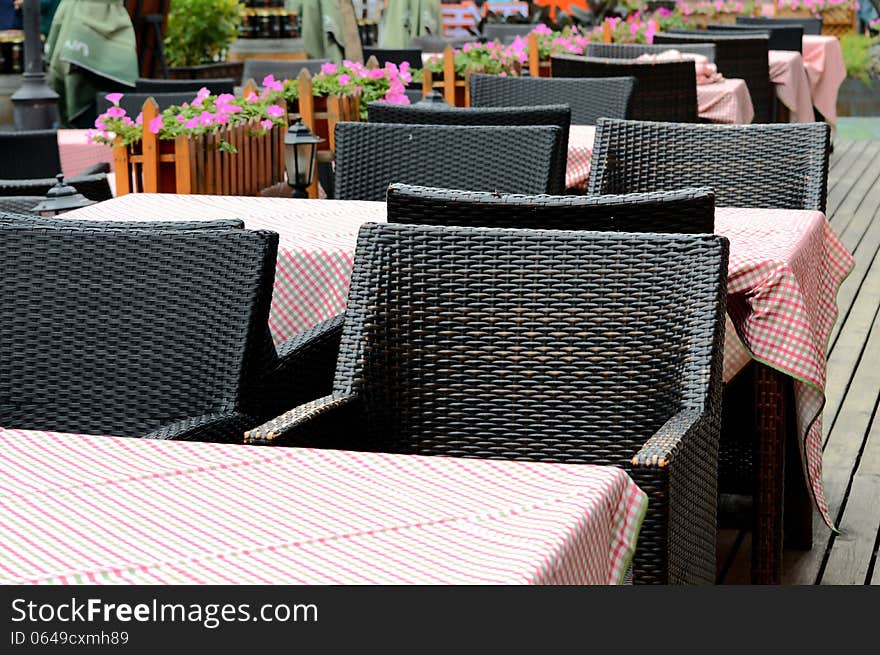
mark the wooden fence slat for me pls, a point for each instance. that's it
(449, 75)
(306, 100)
(150, 147)
(183, 164)
(123, 170)
(534, 58)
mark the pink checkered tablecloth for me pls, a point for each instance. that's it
(727, 101)
(826, 70)
(792, 86)
(785, 268)
(580, 152)
(78, 155)
(105, 510)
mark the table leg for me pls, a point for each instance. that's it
(769, 462)
(798, 508)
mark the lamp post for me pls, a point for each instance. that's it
(61, 198)
(35, 105)
(300, 157)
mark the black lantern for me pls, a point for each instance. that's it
(61, 198)
(300, 156)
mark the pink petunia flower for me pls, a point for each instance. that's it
(275, 111)
(115, 112)
(155, 125)
(114, 98)
(266, 124)
(272, 84)
(329, 68)
(344, 80)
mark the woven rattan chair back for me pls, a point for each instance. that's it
(124, 330)
(685, 211)
(29, 154)
(589, 99)
(664, 90)
(781, 166)
(435, 44)
(781, 37)
(812, 26)
(558, 115)
(506, 32)
(743, 57)
(280, 69)
(635, 50)
(216, 85)
(397, 56)
(94, 187)
(512, 159)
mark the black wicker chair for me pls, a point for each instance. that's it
(280, 69)
(216, 85)
(397, 56)
(434, 44)
(686, 211)
(776, 166)
(94, 186)
(635, 50)
(742, 57)
(28, 154)
(558, 115)
(664, 91)
(520, 344)
(589, 99)
(781, 37)
(132, 103)
(513, 159)
(140, 330)
(812, 26)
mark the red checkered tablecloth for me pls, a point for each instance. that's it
(727, 101)
(83, 509)
(785, 268)
(580, 152)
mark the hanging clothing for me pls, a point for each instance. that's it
(405, 19)
(91, 47)
(321, 28)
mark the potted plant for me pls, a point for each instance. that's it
(448, 72)
(838, 16)
(703, 12)
(858, 95)
(198, 35)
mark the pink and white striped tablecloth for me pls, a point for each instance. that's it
(785, 268)
(105, 510)
(792, 86)
(823, 59)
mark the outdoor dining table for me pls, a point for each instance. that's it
(784, 270)
(792, 86)
(826, 70)
(85, 509)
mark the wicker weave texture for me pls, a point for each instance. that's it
(743, 57)
(216, 85)
(20, 204)
(513, 159)
(94, 187)
(280, 69)
(664, 91)
(781, 37)
(125, 331)
(685, 211)
(397, 56)
(635, 50)
(589, 99)
(774, 166)
(506, 32)
(29, 154)
(811, 26)
(558, 115)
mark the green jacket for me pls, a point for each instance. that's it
(321, 28)
(91, 43)
(404, 19)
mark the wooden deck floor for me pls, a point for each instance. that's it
(851, 420)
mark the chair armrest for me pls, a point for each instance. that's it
(100, 167)
(324, 423)
(678, 469)
(217, 428)
(304, 370)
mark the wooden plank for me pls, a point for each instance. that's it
(427, 81)
(840, 149)
(150, 148)
(534, 59)
(306, 100)
(841, 454)
(846, 212)
(844, 179)
(122, 166)
(852, 550)
(449, 75)
(182, 169)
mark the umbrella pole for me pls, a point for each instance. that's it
(35, 105)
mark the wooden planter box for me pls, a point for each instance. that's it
(454, 88)
(537, 67)
(836, 21)
(195, 164)
(718, 18)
